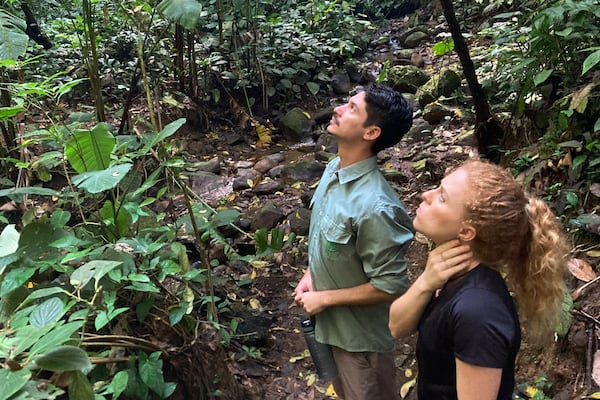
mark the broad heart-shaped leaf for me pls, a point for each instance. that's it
(99, 181)
(80, 387)
(64, 358)
(94, 269)
(12, 381)
(49, 311)
(90, 150)
(184, 12)
(9, 240)
(35, 240)
(13, 39)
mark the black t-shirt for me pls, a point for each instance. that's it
(473, 319)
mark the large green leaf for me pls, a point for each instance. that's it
(590, 62)
(90, 150)
(49, 311)
(80, 387)
(35, 190)
(56, 337)
(184, 12)
(13, 40)
(9, 240)
(64, 358)
(36, 238)
(99, 181)
(95, 269)
(12, 381)
(168, 130)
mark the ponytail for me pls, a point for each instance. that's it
(539, 285)
(523, 238)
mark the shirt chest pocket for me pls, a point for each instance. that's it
(336, 238)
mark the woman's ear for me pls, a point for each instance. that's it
(467, 232)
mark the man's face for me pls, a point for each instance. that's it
(347, 121)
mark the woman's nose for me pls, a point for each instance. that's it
(426, 195)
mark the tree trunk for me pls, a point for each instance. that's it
(488, 131)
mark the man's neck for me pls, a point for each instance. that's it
(349, 156)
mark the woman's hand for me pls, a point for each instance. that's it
(448, 260)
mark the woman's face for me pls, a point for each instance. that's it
(440, 215)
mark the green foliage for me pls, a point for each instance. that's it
(554, 44)
(536, 390)
(443, 48)
(13, 40)
(184, 12)
(268, 242)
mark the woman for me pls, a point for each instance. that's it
(469, 331)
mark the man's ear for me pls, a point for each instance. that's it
(372, 132)
(467, 232)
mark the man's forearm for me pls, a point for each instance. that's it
(361, 295)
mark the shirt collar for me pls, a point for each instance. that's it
(356, 170)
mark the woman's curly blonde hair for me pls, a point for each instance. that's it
(521, 237)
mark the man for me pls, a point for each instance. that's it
(359, 233)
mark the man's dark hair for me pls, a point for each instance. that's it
(390, 111)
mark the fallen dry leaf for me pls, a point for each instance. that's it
(581, 269)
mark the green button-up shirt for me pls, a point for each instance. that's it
(359, 233)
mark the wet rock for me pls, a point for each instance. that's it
(307, 148)
(266, 163)
(420, 131)
(275, 172)
(465, 138)
(299, 221)
(234, 138)
(295, 125)
(435, 112)
(303, 171)
(417, 60)
(407, 78)
(381, 41)
(449, 81)
(203, 182)
(404, 54)
(245, 179)
(324, 156)
(395, 176)
(341, 84)
(267, 186)
(415, 39)
(327, 142)
(244, 164)
(354, 73)
(213, 165)
(323, 116)
(267, 217)
(425, 96)
(404, 35)
(443, 83)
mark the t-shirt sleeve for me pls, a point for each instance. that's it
(483, 329)
(382, 241)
